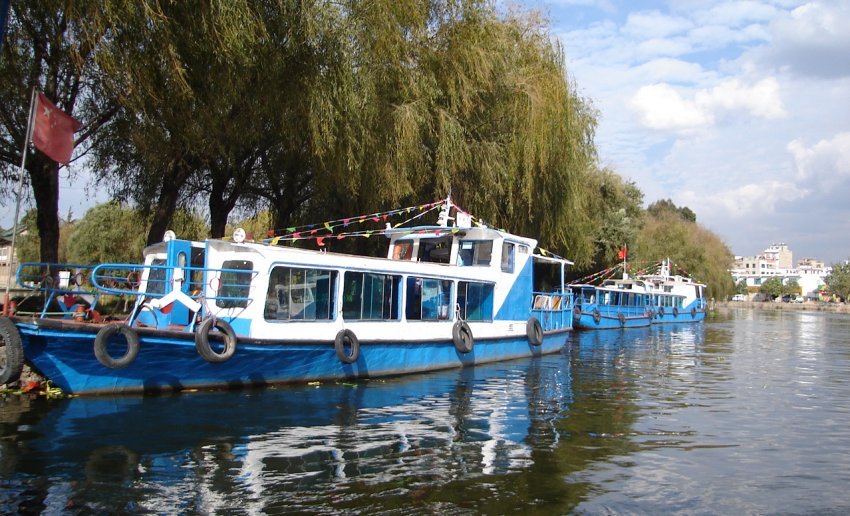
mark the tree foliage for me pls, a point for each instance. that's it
(49, 46)
(772, 287)
(692, 248)
(288, 111)
(838, 280)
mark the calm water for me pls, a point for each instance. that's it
(748, 413)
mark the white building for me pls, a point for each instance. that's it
(775, 261)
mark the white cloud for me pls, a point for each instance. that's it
(811, 40)
(826, 163)
(747, 200)
(660, 106)
(653, 24)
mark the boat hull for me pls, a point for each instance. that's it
(168, 360)
(595, 320)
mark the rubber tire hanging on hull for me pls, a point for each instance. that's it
(622, 317)
(534, 331)
(596, 316)
(342, 337)
(10, 340)
(101, 341)
(462, 337)
(202, 340)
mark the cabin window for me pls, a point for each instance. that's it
(435, 249)
(300, 294)
(156, 277)
(234, 284)
(475, 301)
(370, 296)
(474, 252)
(508, 250)
(402, 250)
(428, 299)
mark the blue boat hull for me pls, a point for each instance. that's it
(680, 317)
(169, 361)
(608, 320)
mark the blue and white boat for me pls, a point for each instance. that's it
(677, 298)
(616, 303)
(221, 314)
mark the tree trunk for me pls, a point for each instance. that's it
(169, 194)
(44, 178)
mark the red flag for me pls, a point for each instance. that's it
(53, 130)
(621, 254)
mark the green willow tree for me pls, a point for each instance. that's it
(174, 69)
(838, 280)
(49, 45)
(693, 249)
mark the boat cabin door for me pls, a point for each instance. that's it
(179, 277)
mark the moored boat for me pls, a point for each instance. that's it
(616, 303)
(219, 314)
(677, 298)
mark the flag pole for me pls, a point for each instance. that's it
(11, 258)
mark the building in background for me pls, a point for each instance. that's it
(778, 261)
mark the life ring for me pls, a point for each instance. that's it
(344, 337)
(693, 312)
(134, 279)
(462, 337)
(534, 331)
(101, 341)
(596, 316)
(622, 317)
(202, 340)
(79, 279)
(11, 348)
(675, 312)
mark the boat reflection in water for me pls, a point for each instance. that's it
(310, 447)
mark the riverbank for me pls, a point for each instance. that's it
(771, 305)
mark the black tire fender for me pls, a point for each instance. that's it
(344, 337)
(596, 316)
(202, 340)
(13, 351)
(693, 312)
(101, 341)
(462, 337)
(622, 317)
(675, 311)
(534, 331)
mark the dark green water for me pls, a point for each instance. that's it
(748, 413)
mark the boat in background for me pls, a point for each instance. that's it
(677, 298)
(219, 314)
(651, 296)
(616, 303)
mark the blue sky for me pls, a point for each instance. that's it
(739, 110)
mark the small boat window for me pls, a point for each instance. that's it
(156, 277)
(475, 252)
(300, 294)
(370, 296)
(235, 285)
(508, 250)
(435, 249)
(402, 250)
(475, 301)
(428, 299)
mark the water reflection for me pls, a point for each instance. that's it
(314, 447)
(745, 413)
